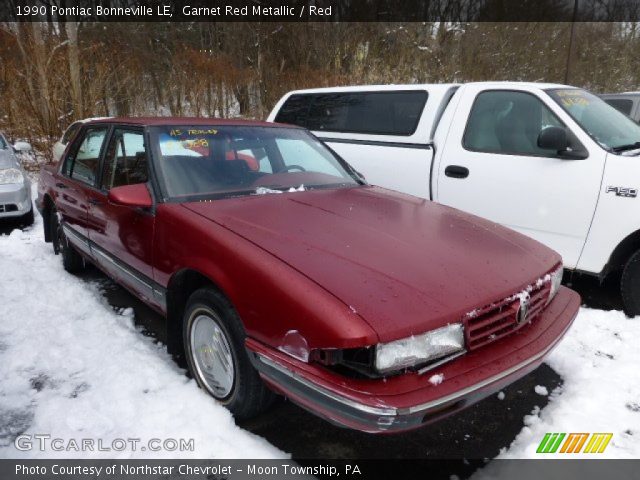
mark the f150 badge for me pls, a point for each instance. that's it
(623, 191)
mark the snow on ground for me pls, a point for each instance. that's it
(72, 368)
(598, 361)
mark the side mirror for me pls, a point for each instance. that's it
(557, 139)
(136, 195)
(22, 147)
(553, 138)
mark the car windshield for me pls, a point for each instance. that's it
(612, 129)
(221, 161)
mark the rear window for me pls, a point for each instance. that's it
(377, 113)
(623, 105)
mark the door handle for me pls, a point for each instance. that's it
(61, 185)
(456, 171)
(95, 201)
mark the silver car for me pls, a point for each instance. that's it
(15, 186)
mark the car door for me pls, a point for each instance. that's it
(492, 166)
(75, 180)
(122, 237)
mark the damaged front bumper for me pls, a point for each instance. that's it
(410, 400)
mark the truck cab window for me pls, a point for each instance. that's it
(623, 105)
(508, 122)
(125, 160)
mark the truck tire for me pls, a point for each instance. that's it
(72, 261)
(214, 345)
(630, 286)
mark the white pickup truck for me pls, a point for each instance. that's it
(551, 161)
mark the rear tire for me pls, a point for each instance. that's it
(72, 261)
(214, 345)
(630, 286)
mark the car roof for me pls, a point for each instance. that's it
(187, 121)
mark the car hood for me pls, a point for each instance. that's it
(404, 264)
(8, 159)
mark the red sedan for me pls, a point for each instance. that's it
(279, 269)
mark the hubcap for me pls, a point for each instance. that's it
(212, 356)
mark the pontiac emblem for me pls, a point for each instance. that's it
(523, 309)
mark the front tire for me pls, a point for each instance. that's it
(72, 261)
(630, 286)
(214, 345)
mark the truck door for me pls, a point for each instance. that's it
(491, 166)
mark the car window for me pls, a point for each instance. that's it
(508, 122)
(3, 143)
(70, 132)
(125, 160)
(377, 113)
(220, 161)
(295, 153)
(83, 164)
(623, 105)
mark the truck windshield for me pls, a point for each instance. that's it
(613, 130)
(199, 161)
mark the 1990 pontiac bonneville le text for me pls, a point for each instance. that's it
(279, 269)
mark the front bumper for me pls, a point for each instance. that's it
(409, 400)
(15, 200)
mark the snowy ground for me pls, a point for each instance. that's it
(73, 368)
(599, 361)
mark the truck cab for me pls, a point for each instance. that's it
(551, 161)
(627, 103)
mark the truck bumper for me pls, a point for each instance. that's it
(15, 200)
(408, 401)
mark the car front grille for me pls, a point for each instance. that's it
(497, 320)
(8, 207)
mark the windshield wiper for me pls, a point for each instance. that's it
(630, 146)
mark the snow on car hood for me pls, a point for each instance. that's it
(8, 159)
(404, 264)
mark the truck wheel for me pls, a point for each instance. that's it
(630, 286)
(214, 344)
(72, 261)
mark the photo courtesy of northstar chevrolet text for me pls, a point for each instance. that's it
(303, 239)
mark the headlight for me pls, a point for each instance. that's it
(556, 281)
(11, 175)
(418, 349)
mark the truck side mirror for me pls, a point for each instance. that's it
(553, 138)
(557, 139)
(136, 195)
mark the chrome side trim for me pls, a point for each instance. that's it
(108, 258)
(423, 407)
(155, 290)
(70, 232)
